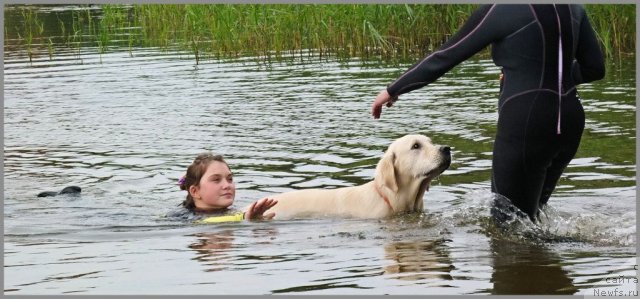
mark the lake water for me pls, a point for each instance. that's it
(125, 125)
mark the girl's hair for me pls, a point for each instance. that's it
(195, 171)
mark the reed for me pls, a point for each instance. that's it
(615, 26)
(30, 22)
(396, 32)
(386, 32)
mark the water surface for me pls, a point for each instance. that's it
(125, 125)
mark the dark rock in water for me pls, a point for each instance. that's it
(71, 190)
(66, 190)
(47, 193)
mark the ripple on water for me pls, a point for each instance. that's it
(125, 128)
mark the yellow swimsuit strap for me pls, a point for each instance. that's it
(226, 218)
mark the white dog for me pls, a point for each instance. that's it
(401, 178)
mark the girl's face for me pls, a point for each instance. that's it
(216, 189)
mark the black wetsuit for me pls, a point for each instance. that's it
(540, 119)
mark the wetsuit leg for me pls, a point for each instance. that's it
(572, 127)
(525, 146)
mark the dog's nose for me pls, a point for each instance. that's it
(446, 150)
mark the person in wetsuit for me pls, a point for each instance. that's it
(544, 52)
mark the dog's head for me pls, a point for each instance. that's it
(412, 158)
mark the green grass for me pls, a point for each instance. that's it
(386, 32)
(615, 27)
(382, 31)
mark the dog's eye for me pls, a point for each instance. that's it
(416, 146)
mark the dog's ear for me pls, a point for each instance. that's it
(386, 171)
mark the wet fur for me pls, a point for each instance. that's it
(402, 176)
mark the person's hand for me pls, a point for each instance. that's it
(257, 209)
(382, 98)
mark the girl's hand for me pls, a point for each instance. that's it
(382, 98)
(257, 209)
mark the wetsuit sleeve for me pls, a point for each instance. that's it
(477, 33)
(589, 64)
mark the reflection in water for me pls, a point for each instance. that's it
(522, 263)
(418, 260)
(521, 268)
(211, 249)
(215, 250)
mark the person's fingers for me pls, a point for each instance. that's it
(249, 212)
(268, 203)
(258, 204)
(382, 99)
(263, 205)
(273, 203)
(257, 209)
(376, 110)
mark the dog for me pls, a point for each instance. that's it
(70, 190)
(401, 178)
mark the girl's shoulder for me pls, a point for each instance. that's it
(234, 216)
(184, 214)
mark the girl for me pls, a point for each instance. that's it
(211, 191)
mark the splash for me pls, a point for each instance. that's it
(597, 228)
(557, 224)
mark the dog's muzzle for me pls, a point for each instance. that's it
(445, 162)
(446, 157)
